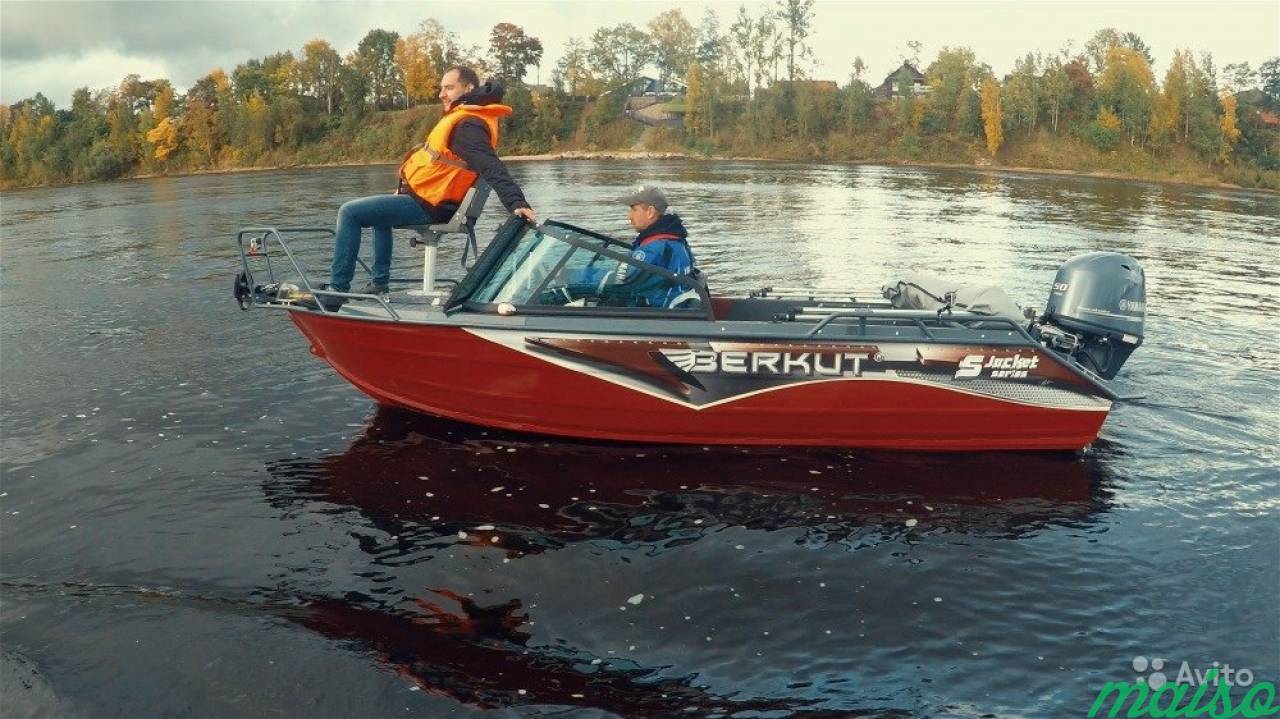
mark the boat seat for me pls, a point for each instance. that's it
(684, 298)
(463, 222)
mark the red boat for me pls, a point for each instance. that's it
(548, 332)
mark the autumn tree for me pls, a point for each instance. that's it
(249, 77)
(709, 45)
(992, 115)
(1202, 109)
(1166, 119)
(766, 48)
(1229, 128)
(282, 74)
(1127, 87)
(353, 88)
(1020, 94)
(513, 51)
(796, 17)
(1080, 103)
(858, 98)
(619, 52)
(1269, 77)
(574, 67)
(695, 117)
(319, 69)
(711, 53)
(954, 78)
(376, 60)
(743, 35)
(258, 131)
(201, 128)
(164, 136)
(1238, 77)
(1055, 86)
(673, 44)
(444, 46)
(1102, 41)
(413, 58)
(1105, 130)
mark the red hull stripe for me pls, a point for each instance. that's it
(450, 372)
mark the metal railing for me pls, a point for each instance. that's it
(260, 239)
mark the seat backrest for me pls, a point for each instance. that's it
(479, 194)
(468, 210)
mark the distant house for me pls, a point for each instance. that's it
(889, 88)
(649, 86)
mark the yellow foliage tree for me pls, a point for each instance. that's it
(1171, 100)
(164, 137)
(413, 57)
(164, 102)
(695, 116)
(1109, 119)
(258, 116)
(1127, 85)
(992, 115)
(1230, 130)
(219, 79)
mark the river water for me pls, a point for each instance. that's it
(199, 518)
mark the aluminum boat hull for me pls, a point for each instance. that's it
(576, 385)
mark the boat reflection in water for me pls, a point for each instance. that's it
(429, 482)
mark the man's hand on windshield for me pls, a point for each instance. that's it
(527, 213)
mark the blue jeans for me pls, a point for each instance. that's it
(381, 212)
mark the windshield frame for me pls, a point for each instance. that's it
(508, 239)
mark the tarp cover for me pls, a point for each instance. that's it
(926, 292)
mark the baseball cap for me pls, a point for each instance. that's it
(647, 195)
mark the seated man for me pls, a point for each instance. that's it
(661, 241)
(433, 180)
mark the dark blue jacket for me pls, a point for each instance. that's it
(665, 244)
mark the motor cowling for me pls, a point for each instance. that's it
(1101, 299)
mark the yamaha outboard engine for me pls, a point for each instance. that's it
(1095, 311)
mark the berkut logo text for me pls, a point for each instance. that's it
(809, 364)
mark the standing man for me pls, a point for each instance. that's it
(433, 180)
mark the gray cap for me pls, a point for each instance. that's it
(647, 195)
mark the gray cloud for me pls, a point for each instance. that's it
(38, 30)
(187, 39)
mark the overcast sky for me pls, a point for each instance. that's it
(55, 47)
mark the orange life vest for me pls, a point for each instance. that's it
(433, 172)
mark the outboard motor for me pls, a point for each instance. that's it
(1095, 311)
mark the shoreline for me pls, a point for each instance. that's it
(631, 155)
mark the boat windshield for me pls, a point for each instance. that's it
(560, 265)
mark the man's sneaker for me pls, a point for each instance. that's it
(374, 288)
(329, 302)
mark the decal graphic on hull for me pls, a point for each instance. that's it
(703, 373)
(1007, 366)
(706, 372)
